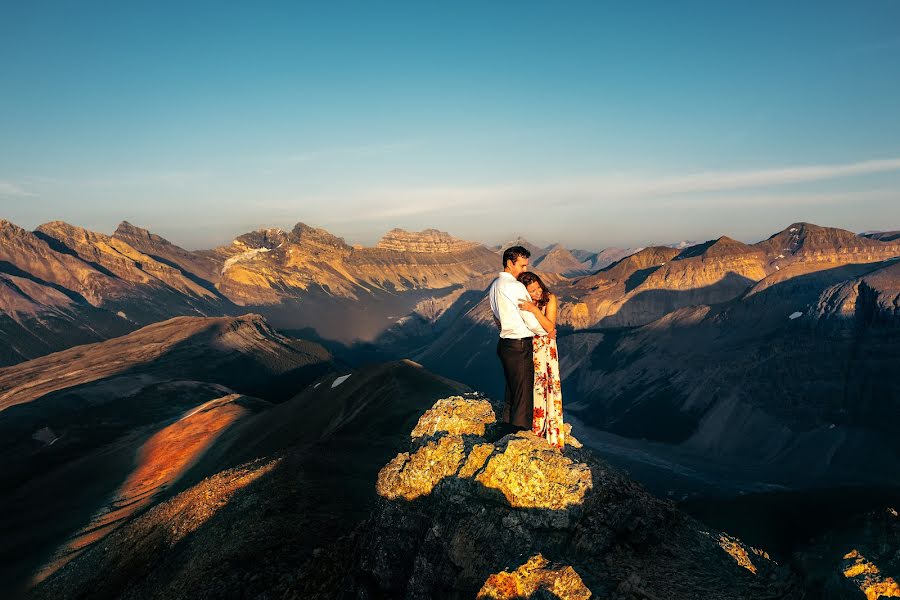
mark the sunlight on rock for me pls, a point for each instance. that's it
(536, 575)
(455, 415)
(410, 476)
(531, 474)
(476, 459)
(524, 468)
(868, 577)
(571, 440)
(737, 551)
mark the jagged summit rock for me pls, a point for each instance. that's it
(462, 512)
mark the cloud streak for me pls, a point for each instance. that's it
(365, 150)
(9, 189)
(394, 202)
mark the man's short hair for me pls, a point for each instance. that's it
(513, 253)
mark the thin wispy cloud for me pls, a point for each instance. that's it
(392, 202)
(351, 151)
(8, 189)
(166, 177)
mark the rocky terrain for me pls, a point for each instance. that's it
(460, 513)
(265, 496)
(93, 434)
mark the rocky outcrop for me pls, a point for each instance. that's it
(460, 510)
(536, 578)
(429, 241)
(456, 416)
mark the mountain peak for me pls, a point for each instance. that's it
(127, 229)
(815, 242)
(718, 247)
(9, 229)
(425, 241)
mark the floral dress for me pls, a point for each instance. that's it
(548, 420)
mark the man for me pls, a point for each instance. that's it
(515, 349)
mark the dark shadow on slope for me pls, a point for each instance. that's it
(204, 283)
(322, 488)
(11, 269)
(639, 277)
(277, 526)
(92, 418)
(780, 522)
(696, 250)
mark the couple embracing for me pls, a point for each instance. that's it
(525, 311)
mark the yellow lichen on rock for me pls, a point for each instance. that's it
(457, 416)
(531, 474)
(476, 459)
(538, 574)
(411, 476)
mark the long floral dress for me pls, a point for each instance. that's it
(548, 420)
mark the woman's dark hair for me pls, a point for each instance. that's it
(513, 253)
(527, 278)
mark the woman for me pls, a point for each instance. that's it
(547, 421)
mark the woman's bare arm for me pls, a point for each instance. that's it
(551, 310)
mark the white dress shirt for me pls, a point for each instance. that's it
(506, 292)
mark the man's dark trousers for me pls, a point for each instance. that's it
(517, 358)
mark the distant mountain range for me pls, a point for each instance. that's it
(156, 398)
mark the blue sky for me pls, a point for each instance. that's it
(590, 123)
